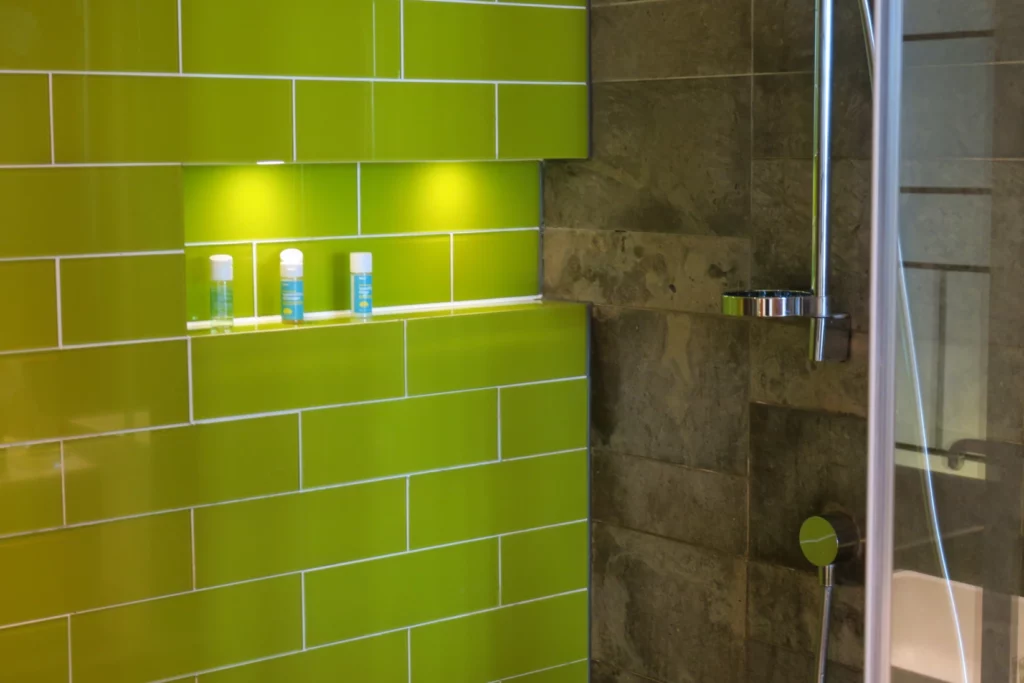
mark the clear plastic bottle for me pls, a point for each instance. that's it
(222, 294)
(292, 295)
(360, 265)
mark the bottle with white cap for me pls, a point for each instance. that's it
(222, 295)
(292, 295)
(360, 265)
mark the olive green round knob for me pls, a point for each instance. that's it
(829, 538)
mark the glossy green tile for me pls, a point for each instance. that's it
(122, 298)
(129, 474)
(88, 391)
(243, 374)
(98, 35)
(233, 203)
(197, 279)
(449, 197)
(102, 119)
(36, 653)
(501, 643)
(433, 121)
(63, 211)
(282, 534)
(544, 418)
(193, 632)
(314, 38)
(57, 572)
(544, 562)
(494, 42)
(30, 480)
(396, 437)
(380, 595)
(389, 38)
(334, 120)
(493, 499)
(33, 305)
(25, 128)
(406, 270)
(543, 121)
(494, 265)
(542, 341)
(570, 673)
(382, 659)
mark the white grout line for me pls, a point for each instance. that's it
(90, 345)
(332, 79)
(280, 494)
(359, 198)
(60, 312)
(237, 162)
(192, 536)
(408, 653)
(181, 62)
(451, 264)
(53, 149)
(499, 424)
(408, 532)
(547, 668)
(69, 257)
(255, 293)
(302, 587)
(191, 397)
(252, 416)
(300, 451)
(338, 238)
(70, 665)
(401, 39)
(373, 28)
(302, 572)
(497, 144)
(63, 487)
(295, 125)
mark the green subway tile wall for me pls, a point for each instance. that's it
(30, 477)
(413, 588)
(449, 197)
(37, 652)
(178, 504)
(34, 312)
(382, 659)
(122, 298)
(460, 504)
(130, 474)
(24, 130)
(492, 265)
(501, 643)
(360, 441)
(287, 533)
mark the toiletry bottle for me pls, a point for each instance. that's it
(360, 265)
(222, 296)
(292, 299)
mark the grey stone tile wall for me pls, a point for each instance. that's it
(713, 438)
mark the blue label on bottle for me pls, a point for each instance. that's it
(362, 293)
(222, 302)
(292, 301)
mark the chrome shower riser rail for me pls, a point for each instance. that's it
(830, 332)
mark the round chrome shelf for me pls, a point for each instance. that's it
(770, 303)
